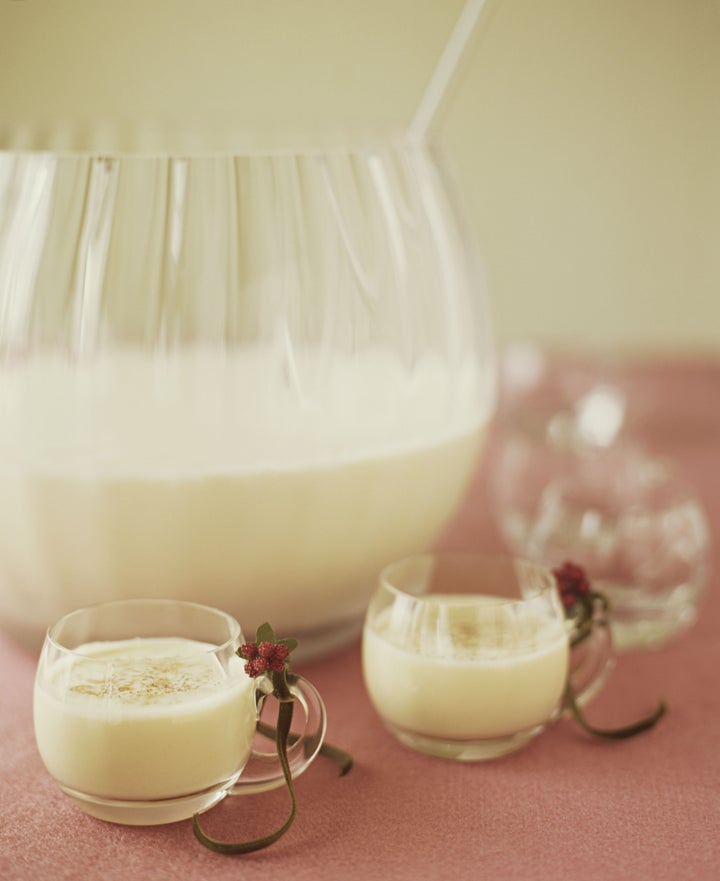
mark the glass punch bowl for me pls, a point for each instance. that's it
(249, 381)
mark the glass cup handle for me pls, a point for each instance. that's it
(591, 659)
(263, 770)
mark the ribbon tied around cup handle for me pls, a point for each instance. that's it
(587, 609)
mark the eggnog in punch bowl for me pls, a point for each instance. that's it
(242, 379)
(135, 476)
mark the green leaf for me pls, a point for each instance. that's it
(265, 633)
(290, 642)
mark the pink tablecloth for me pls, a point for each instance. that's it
(567, 807)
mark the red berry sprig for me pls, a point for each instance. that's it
(572, 583)
(264, 656)
(579, 599)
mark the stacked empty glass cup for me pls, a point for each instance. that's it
(572, 482)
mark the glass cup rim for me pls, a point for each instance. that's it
(385, 583)
(234, 629)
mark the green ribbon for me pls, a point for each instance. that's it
(584, 612)
(612, 733)
(282, 692)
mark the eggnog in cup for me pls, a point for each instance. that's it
(144, 713)
(144, 719)
(499, 673)
(465, 656)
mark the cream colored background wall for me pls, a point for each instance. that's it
(585, 133)
(587, 138)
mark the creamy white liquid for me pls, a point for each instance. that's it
(148, 719)
(272, 488)
(493, 674)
